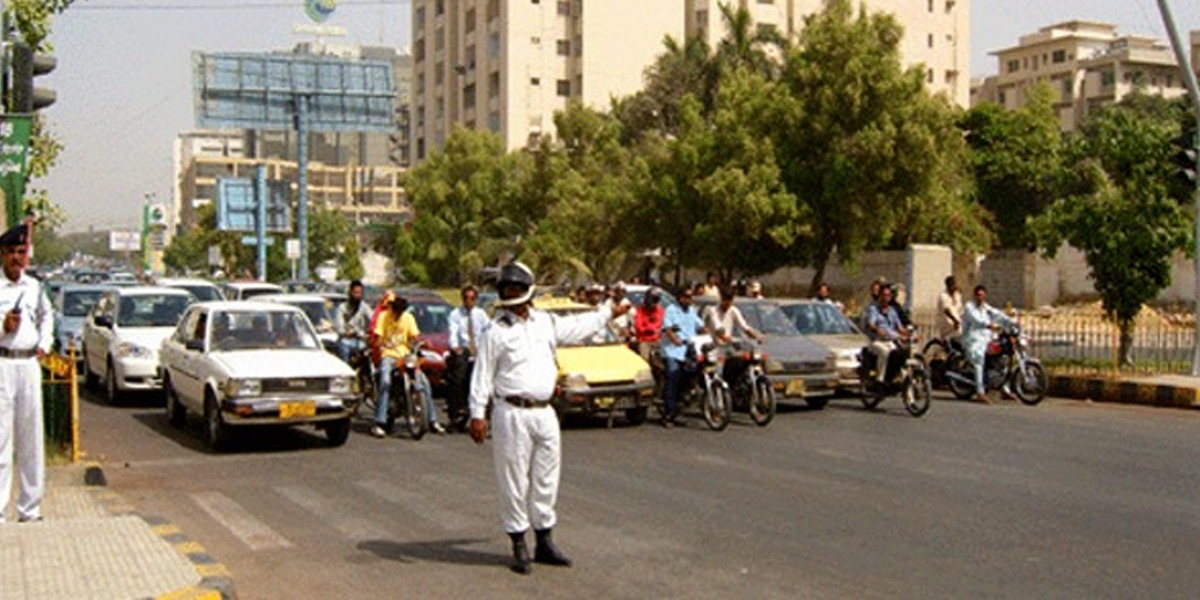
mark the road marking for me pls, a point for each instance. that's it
(332, 513)
(420, 505)
(252, 532)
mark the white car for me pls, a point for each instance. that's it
(202, 289)
(242, 364)
(122, 334)
(318, 309)
(244, 290)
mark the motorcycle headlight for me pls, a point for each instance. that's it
(713, 357)
(238, 388)
(410, 360)
(575, 381)
(130, 349)
(342, 385)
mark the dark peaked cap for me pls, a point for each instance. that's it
(16, 236)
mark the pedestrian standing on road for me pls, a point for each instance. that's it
(466, 329)
(979, 320)
(351, 322)
(950, 308)
(27, 334)
(620, 326)
(516, 366)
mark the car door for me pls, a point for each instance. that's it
(187, 362)
(93, 338)
(106, 335)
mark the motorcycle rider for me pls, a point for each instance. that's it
(648, 325)
(884, 328)
(979, 320)
(351, 322)
(724, 317)
(680, 324)
(396, 331)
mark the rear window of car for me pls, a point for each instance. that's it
(77, 304)
(152, 310)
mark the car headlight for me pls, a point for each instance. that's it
(341, 385)
(130, 349)
(575, 381)
(774, 365)
(235, 388)
(643, 376)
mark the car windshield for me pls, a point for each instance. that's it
(431, 317)
(260, 330)
(152, 310)
(767, 319)
(819, 319)
(204, 293)
(317, 312)
(251, 292)
(78, 303)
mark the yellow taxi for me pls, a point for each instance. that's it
(601, 376)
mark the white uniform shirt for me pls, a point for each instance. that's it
(37, 320)
(459, 336)
(516, 356)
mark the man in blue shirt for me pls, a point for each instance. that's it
(680, 324)
(884, 328)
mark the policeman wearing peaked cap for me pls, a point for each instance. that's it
(515, 365)
(26, 335)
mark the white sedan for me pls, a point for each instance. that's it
(122, 334)
(251, 363)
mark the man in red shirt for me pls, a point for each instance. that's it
(647, 326)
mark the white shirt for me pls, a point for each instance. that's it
(516, 356)
(730, 321)
(953, 303)
(37, 320)
(459, 336)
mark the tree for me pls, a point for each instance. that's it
(1018, 158)
(1122, 216)
(861, 142)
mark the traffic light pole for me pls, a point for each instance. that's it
(1189, 78)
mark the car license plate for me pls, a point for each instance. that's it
(795, 387)
(297, 410)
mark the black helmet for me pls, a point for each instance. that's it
(515, 274)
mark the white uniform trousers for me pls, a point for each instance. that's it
(526, 448)
(21, 430)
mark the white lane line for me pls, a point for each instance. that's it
(332, 513)
(252, 532)
(422, 506)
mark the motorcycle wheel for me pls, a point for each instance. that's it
(869, 400)
(762, 402)
(367, 399)
(717, 407)
(917, 393)
(961, 390)
(1031, 388)
(415, 419)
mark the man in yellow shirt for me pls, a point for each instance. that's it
(396, 331)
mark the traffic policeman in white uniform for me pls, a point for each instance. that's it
(515, 366)
(27, 334)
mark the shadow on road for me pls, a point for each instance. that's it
(452, 551)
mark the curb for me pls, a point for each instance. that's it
(216, 582)
(1125, 392)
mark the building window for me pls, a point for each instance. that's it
(419, 50)
(535, 81)
(439, 39)
(494, 44)
(493, 10)
(469, 20)
(420, 18)
(579, 45)
(564, 8)
(1059, 56)
(701, 18)
(1001, 97)
(766, 1)
(563, 87)
(1013, 66)
(563, 47)
(1068, 87)
(420, 148)
(469, 96)
(469, 57)
(930, 5)
(439, 8)
(439, 74)
(494, 122)
(929, 76)
(929, 40)
(494, 84)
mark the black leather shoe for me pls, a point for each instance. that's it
(521, 563)
(547, 553)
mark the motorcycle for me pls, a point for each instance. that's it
(1006, 364)
(905, 376)
(750, 388)
(407, 396)
(364, 372)
(701, 384)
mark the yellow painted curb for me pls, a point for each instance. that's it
(192, 593)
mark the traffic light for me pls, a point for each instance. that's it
(26, 65)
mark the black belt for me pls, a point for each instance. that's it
(520, 402)
(9, 353)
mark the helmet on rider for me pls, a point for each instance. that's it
(515, 284)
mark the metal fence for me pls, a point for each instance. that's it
(60, 405)
(1091, 346)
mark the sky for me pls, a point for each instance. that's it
(124, 76)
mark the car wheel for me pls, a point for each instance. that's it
(176, 413)
(111, 392)
(817, 403)
(215, 427)
(636, 416)
(337, 432)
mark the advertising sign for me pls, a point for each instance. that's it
(14, 154)
(124, 241)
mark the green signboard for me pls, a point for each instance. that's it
(14, 154)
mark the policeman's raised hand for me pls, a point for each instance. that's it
(479, 430)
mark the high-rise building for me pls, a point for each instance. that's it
(1088, 64)
(936, 32)
(508, 65)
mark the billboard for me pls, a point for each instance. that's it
(124, 241)
(237, 209)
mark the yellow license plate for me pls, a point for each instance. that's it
(795, 387)
(297, 410)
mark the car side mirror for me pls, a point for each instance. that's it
(104, 321)
(194, 345)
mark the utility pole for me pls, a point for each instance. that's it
(1189, 77)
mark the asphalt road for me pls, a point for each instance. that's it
(1064, 500)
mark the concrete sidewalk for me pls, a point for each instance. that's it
(92, 545)
(1175, 391)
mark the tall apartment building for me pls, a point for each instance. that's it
(1087, 63)
(508, 65)
(937, 33)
